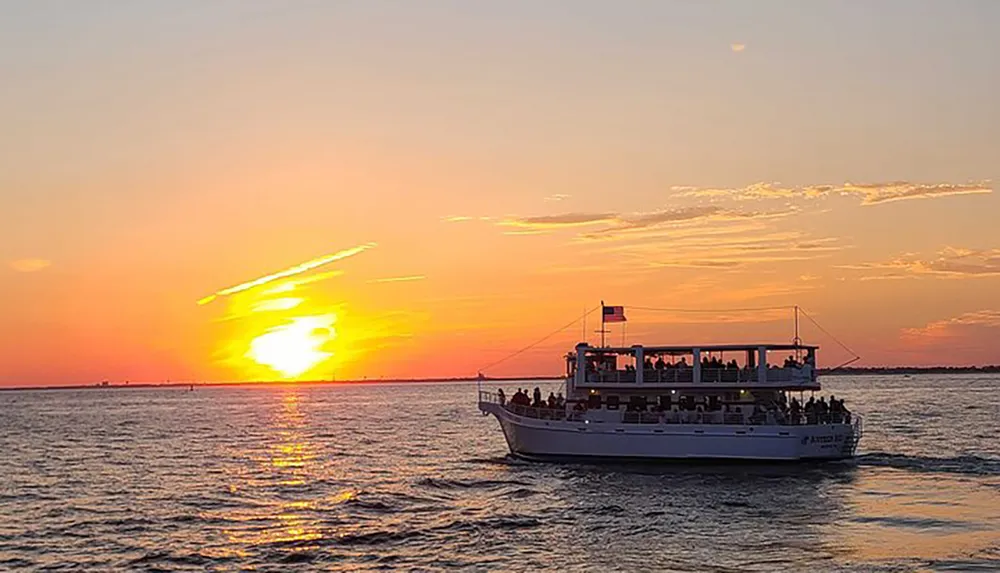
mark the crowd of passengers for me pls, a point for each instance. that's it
(520, 398)
(780, 409)
(707, 363)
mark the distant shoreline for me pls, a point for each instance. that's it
(880, 370)
(847, 371)
(100, 385)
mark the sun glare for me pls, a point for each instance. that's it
(295, 348)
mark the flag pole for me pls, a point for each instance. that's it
(602, 324)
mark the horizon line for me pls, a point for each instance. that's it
(835, 371)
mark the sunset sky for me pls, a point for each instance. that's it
(426, 187)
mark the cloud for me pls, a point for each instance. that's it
(643, 220)
(558, 197)
(461, 218)
(949, 262)
(870, 193)
(558, 221)
(634, 224)
(399, 279)
(957, 326)
(873, 194)
(29, 265)
(292, 271)
(737, 47)
(716, 249)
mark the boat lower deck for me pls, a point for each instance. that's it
(541, 438)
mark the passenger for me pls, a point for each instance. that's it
(560, 402)
(823, 409)
(648, 364)
(796, 411)
(537, 402)
(659, 363)
(525, 401)
(552, 400)
(503, 399)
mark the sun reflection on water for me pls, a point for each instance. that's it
(284, 473)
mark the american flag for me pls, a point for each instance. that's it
(613, 313)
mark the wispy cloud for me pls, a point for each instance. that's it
(558, 221)
(558, 197)
(949, 262)
(616, 224)
(873, 194)
(29, 265)
(953, 327)
(737, 47)
(297, 269)
(399, 279)
(461, 218)
(870, 193)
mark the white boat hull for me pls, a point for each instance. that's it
(534, 438)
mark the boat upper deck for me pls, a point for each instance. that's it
(710, 366)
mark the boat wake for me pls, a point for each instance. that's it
(962, 465)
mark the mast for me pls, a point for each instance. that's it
(796, 340)
(602, 324)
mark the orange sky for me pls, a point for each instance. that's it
(505, 167)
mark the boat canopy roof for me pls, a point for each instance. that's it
(679, 350)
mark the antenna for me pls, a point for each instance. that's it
(796, 341)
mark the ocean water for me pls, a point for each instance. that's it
(412, 477)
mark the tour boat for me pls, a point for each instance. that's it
(681, 402)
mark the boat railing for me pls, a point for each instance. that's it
(685, 375)
(760, 418)
(538, 412)
(490, 397)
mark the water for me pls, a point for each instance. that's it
(412, 477)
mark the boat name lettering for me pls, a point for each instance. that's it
(826, 439)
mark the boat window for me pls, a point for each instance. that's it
(665, 402)
(637, 404)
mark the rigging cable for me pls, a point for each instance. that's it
(539, 341)
(713, 310)
(834, 338)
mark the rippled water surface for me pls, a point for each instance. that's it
(412, 477)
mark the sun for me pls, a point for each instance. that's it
(294, 348)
